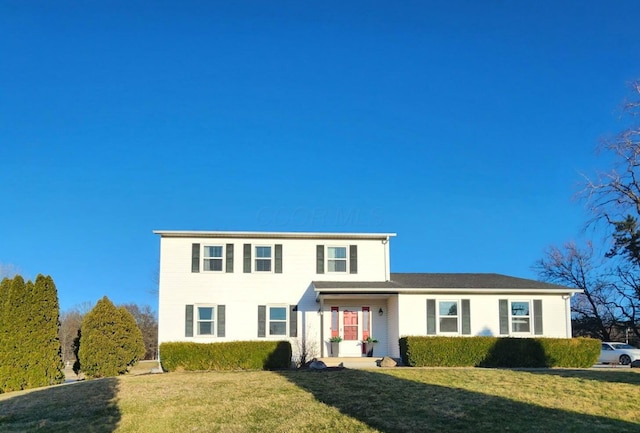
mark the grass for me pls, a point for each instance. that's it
(389, 400)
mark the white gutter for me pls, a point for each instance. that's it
(270, 235)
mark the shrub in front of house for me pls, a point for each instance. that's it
(571, 353)
(499, 352)
(444, 351)
(233, 355)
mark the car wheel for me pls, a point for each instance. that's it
(625, 360)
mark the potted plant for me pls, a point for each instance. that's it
(368, 345)
(335, 345)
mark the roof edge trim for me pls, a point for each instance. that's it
(270, 235)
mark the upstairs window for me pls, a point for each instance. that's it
(337, 259)
(263, 259)
(213, 258)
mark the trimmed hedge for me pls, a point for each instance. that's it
(499, 352)
(233, 355)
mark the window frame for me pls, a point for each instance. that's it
(271, 258)
(268, 321)
(344, 259)
(439, 317)
(528, 317)
(206, 258)
(213, 320)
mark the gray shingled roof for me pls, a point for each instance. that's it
(401, 281)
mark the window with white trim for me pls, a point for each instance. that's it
(278, 320)
(263, 258)
(448, 316)
(520, 316)
(205, 320)
(337, 259)
(213, 258)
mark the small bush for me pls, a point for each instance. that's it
(499, 352)
(234, 355)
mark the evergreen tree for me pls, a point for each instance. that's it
(45, 360)
(110, 341)
(29, 345)
(132, 340)
(14, 353)
(5, 286)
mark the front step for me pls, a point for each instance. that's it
(351, 362)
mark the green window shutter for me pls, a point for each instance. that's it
(293, 320)
(319, 259)
(278, 259)
(188, 321)
(195, 257)
(262, 321)
(247, 259)
(221, 320)
(431, 317)
(229, 258)
(353, 259)
(537, 316)
(503, 305)
(466, 317)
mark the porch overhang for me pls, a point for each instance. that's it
(433, 284)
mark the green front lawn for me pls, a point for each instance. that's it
(394, 400)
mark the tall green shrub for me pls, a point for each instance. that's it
(5, 287)
(30, 353)
(14, 353)
(45, 366)
(110, 341)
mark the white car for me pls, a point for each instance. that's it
(614, 353)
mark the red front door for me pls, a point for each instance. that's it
(350, 325)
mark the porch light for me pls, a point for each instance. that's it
(380, 312)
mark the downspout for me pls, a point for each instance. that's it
(321, 312)
(567, 307)
(385, 242)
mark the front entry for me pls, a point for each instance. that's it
(353, 325)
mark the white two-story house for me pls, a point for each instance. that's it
(229, 286)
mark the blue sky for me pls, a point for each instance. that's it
(462, 126)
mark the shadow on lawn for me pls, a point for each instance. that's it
(89, 406)
(392, 404)
(601, 375)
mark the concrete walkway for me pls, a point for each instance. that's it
(351, 362)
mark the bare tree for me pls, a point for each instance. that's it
(306, 350)
(7, 270)
(613, 197)
(70, 322)
(593, 310)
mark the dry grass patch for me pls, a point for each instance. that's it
(394, 400)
